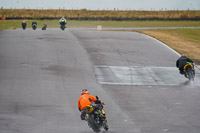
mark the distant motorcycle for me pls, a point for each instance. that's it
(63, 23)
(44, 27)
(189, 71)
(34, 25)
(23, 25)
(96, 117)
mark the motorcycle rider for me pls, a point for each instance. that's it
(84, 100)
(87, 99)
(24, 25)
(34, 23)
(44, 27)
(62, 21)
(181, 62)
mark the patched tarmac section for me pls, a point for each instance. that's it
(137, 75)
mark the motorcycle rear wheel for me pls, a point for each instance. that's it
(93, 124)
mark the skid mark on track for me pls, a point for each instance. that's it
(137, 75)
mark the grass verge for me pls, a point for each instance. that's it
(182, 40)
(12, 24)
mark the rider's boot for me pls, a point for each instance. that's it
(182, 72)
(83, 115)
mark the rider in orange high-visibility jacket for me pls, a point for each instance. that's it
(87, 99)
(84, 100)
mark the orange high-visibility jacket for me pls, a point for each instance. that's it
(84, 100)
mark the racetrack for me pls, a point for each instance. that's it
(42, 74)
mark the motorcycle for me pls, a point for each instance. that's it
(34, 26)
(189, 71)
(23, 25)
(44, 27)
(63, 23)
(62, 27)
(95, 116)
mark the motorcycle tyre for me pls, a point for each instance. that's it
(106, 127)
(93, 124)
(34, 28)
(62, 27)
(190, 76)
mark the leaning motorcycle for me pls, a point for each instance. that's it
(44, 27)
(189, 71)
(96, 116)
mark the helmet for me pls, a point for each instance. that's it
(182, 54)
(84, 92)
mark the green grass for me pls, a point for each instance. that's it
(12, 24)
(134, 23)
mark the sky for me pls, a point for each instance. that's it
(102, 4)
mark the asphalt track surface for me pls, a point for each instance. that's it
(42, 74)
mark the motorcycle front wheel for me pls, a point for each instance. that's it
(190, 76)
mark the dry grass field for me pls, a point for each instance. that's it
(101, 14)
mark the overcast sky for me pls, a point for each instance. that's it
(103, 4)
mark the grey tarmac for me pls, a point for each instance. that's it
(42, 74)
